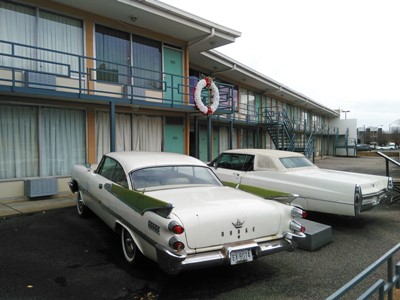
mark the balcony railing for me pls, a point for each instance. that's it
(33, 70)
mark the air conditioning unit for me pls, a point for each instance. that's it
(39, 187)
(40, 80)
(132, 92)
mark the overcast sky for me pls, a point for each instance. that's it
(343, 53)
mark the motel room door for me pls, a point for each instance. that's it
(173, 70)
(174, 135)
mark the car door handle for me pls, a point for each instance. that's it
(100, 186)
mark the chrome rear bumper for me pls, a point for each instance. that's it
(173, 263)
(369, 201)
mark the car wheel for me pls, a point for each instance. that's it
(83, 211)
(132, 253)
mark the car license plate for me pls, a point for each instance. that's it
(367, 201)
(373, 200)
(241, 256)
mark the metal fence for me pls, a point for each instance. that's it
(380, 287)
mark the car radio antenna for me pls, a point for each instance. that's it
(244, 170)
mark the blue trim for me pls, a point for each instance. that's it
(40, 82)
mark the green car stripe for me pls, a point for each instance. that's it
(139, 201)
(265, 193)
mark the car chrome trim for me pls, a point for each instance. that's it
(153, 227)
(390, 185)
(173, 263)
(382, 196)
(238, 224)
(123, 222)
(298, 234)
(73, 186)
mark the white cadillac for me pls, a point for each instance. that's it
(174, 210)
(320, 190)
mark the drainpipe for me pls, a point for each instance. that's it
(209, 138)
(233, 68)
(112, 126)
(210, 36)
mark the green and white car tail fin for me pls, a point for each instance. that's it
(139, 201)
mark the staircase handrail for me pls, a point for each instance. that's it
(310, 146)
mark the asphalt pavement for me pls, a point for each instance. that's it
(374, 165)
(56, 255)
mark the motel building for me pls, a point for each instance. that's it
(81, 78)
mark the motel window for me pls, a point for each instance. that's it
(116, 51)
(146, 61)
(112, 55)
(40, 141)
(31, 28)
(133, 132)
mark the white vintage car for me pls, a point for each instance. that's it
(320, 190)
(174, 210)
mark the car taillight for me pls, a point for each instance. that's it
(175, 227)
(298, 213)
(176, 244)
(296, 226)
(357, 199)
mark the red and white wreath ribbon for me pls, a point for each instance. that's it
(209, 83)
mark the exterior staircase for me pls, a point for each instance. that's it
(309, 150)
(280, 129)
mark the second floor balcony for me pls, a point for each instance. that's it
(33, 71)
(28, 70)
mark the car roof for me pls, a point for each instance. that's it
(269, 152)
(131, 160)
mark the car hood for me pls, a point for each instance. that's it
(213, 216)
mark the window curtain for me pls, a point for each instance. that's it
(123, 133)
(234, 139)
(54, 32)
(223, 139)
(251, 107)
(113, 55)
(102, 134)
(133, 132)
(123, 129)
(146, 63)
(147, 133)
(18, 141)
(59, 33)
(63, 140)
(17, 23)
(243, 101)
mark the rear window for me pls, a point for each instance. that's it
(172, 175)
(295, 162)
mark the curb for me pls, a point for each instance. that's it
(20, 207)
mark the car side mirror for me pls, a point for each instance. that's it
(215, 164)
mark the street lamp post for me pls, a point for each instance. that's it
(377, 134)
(365, 141)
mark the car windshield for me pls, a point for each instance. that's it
(172, 175)
(295, 162)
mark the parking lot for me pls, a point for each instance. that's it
(56, 255)
(362, 164)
